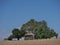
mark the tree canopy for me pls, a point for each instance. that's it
(16, 33)
(40, 30)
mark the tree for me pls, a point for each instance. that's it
(44, 22)
(56, 35)
(40, 32)
(40, 29)
(44, 32)
(30, 25)
(53, 33)
(22, 32)
(18, 33)
(10, 37)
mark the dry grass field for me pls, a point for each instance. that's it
(32, 42)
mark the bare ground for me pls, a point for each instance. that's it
(32, 42)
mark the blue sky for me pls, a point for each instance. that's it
(14, 13)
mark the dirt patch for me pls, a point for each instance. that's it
(32, 42)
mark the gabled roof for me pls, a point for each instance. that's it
(29, 34)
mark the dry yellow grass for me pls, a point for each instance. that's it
(32, 42)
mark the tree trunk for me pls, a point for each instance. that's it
(17, 38)
(56, 36)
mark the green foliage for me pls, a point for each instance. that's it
(10, 37)
(43, 32)
(40, 30)
(30, 25)
(22, 32)
(15, 31)
(18, 33)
